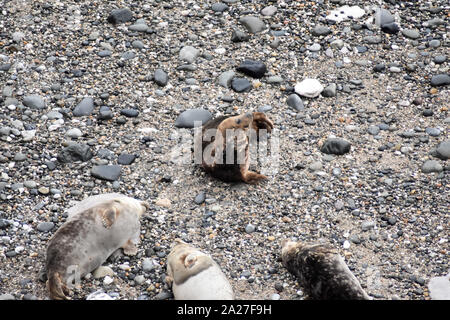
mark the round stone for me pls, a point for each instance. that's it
(188, 118)
(431, 166)
(310, 88)
(45, 226)
(253, 24)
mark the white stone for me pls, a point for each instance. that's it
(439, 288)
(310, 88)
(99, 295)
(74, 133)
(108, 280)
(343, 13)
(28, 135)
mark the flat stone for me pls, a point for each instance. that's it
(269, 11)
(219, 7)
(34, 101)
(106, 172)
(372, 39)
(253, 24)
(75, 152)
(126, 159)
(336, 146)
(139, 27)
(239, 36)
(294, 101)
(383, 17)
(440, 80)
(74, 133)
(120, 16)
(128, 55)
(330, 90)
(189, 54)
(443, 150)
(200, 198)
(102, 271)
(391, 28)
(255, 69)
(225, 78)
(431, 166)
(187, 118)
(84, 108)
(310, 88)
(345, 12)
(439, 288)
(320, 30)
(45, 226)
(129, 112)
(411, 33)
(241, 85)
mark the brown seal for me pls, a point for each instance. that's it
(216, 147)
(321, 271)
(88, 238)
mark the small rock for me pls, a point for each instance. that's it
(440, 80)
(443, 150)
(120, 16)
(45, 226)
(255, 69)
(84, 108)
(75, 152)
(294, 101)
(34, 102)
(253, 24)
(200, 198)
(164, 202)
(250, 228)
(335, 146)
(431, 166)
(160, 77)
(225, 78)
(189, 54)
(330, 90)
(320, 30)
(239, 36)
(102, 271)
(126, 159)
(241, 85)
(310, 88)
(219, 7)
(106, 172)
(187, 118)
(411, 33)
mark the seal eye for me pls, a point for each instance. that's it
(238, 121)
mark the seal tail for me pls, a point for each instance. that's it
(56, 287)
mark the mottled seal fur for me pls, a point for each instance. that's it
(88, 238)
(321, 271)
(194, 275)
(238, 169)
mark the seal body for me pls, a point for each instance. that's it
(88, 238)
(194, 275)
(228, 159)
(321, 271)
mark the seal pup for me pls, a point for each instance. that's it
(321, 271)
(88, 238)
(193, 275)
(217, 164)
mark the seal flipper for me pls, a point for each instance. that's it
(252, 177)
(58, 290)
(129, 248)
